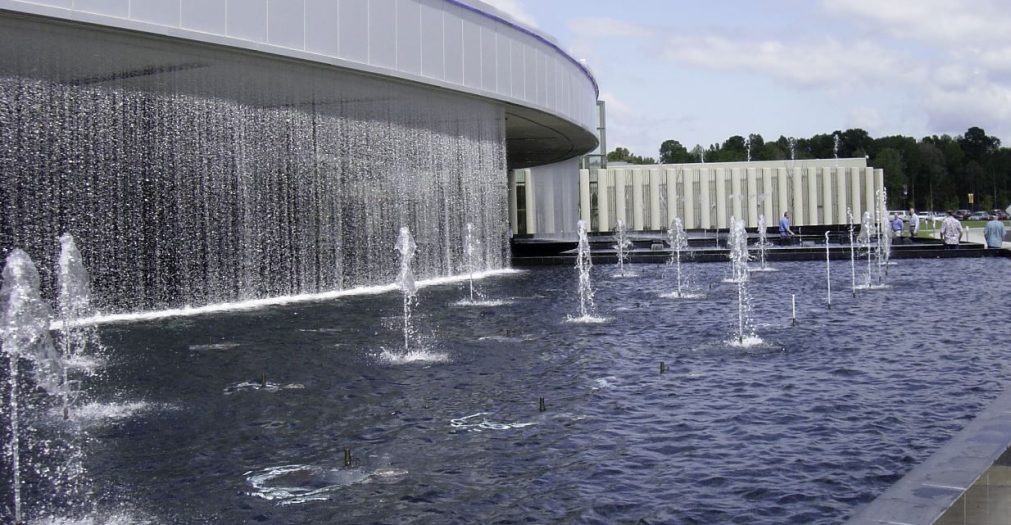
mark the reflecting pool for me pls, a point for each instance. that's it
(304, 414)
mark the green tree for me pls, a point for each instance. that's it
(734, 149)
(672, 152)
(619, 154)
(890, 160)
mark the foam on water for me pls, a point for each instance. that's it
(99, 412)
(506, 338)
(872, 287)
(626, 275)
(213, 346)
(422, 355)
(486, 303)
(682, 295)
(88, 364)
(760, 269)
(604, 383)
(266, 387)
(295, 484)
(116, 518)
(586, 319)
(479, 423)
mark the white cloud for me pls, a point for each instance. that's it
(955, 110)
(865, 118)
(946, 22)
(605, 27)
(826, 63)
(515, 9)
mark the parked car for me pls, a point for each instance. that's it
(978, 216)
(903, 214)
(962, 214)
(1000, 214)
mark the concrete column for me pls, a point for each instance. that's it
(603, 198)
(812, 195)
(654, 200)
(827, 194)
(619, 197)
(869, 189)
(752, 197)
(531, 205)
(637, 204)
(672, 194)
(736, 194)
(512, 202)
(584, 197)
(705, 199)
(721, 199)
(797, 213)
(766, 209)
(783, 195)
(689, 199)
(840, 195)
(855, 193)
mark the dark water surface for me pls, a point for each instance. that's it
(804, 429)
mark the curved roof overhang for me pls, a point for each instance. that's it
(549, 98)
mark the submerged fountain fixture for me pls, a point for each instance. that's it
(621, 246)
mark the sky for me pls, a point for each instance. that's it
(700, 72)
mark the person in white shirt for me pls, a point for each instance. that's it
(914, 224)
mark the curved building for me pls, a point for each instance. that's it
(205, 151)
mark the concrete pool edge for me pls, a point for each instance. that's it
(923, 495)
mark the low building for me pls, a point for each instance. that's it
(549, 200)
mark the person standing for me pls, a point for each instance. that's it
(897, 225)
(951, 232)
(785, 233)
(994, 232)
(914, 224)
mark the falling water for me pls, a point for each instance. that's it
(835, 145)
(25, 336)
(853, 254)
(747, 148)
(828, 272)
(870, 241)
(405, 280)
(192, 192)
(73, 298)
(622, 245)
(739, 256)
(470, 248)
(884, 233)
(583, 265)
(679, 243)
(793, 148)
(763, 243)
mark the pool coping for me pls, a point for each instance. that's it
(933, 486)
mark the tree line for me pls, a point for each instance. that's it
(933, 173)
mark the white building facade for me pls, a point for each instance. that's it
(704, 196)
